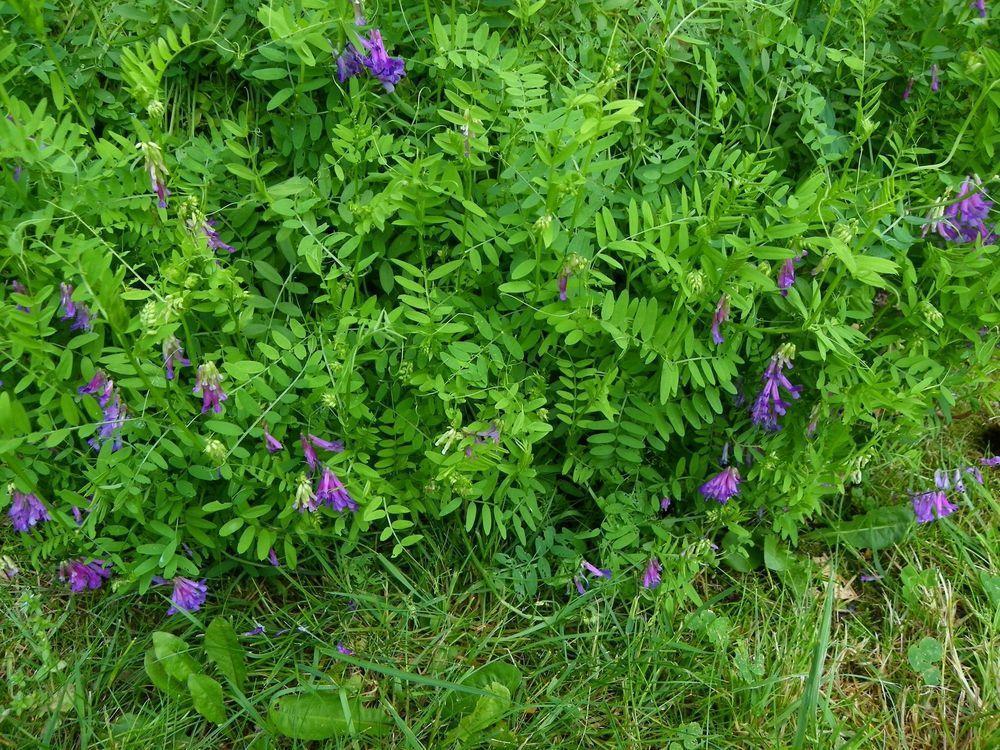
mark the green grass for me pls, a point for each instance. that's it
(757, 665)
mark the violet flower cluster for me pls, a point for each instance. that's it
(723, 486)
(331, 492)
(311, 442)
(721, 316)
(651, 576)
(173, 356)
(187, 596)
(965, 219)
(83, 575)
(157, 171)
(769, 404)
(26, 510)
(786, 276)
(114, 411)
(351, 62)
(581, 581)
(78, 312)
(209, 386)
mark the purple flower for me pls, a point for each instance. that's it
(786, 276)
(209, 386)
(19, 288)
(272, 443)
(305, 499)
(341, 648)
(930, 505)
(77, 515)
(26, 510)
(975, 473)
(114, 411)
(980, 5)
(721, 316)
(492, 435)
(388, 70)
(255, 631)
(66, 301)
(965, 219)
(990, 462)
(941, 480)
(98, 386)
(272, 557)
(334, 446)
(581, 584)
(651, 577)
(78, 312)
(309, 452)
(935, 81)
(722, 486)
(958, 482)
(563, 285)
(331, 492)
(157, 171)
(84, 575)
(769, 405)
(212, 237)
(908, 90)
(188, 595)
(869, 577)
(173, 355)
(595, 571)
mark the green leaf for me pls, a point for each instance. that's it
(498, 672)
(323, 716)
(159, 677)
(206, 694)
(875, 529)
(489, 710)
(925, 658)
(173, 654)
(224, 650)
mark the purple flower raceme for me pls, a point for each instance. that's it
(769, 404)
(334, 446)
(173, 356)
(83, 575)
(331, 492)
(722, 486)
(114, 411)
(908, 90)
(786, 276)
(187, 596)
(213, 239)
(930, 505)
(157, 171)
(721, 316)
(595, 571)
(305, 499)
(272, 557)
(991, 462)
(78, 312)
(563, 286)
(209, 387)
(26, 510)
(651, 576)
(272, 443)
(18, 288)
(351, 62)
(935, 81)
(980, 5)
(341, 648)
(965, 219)
(99, 387)
(665, 504)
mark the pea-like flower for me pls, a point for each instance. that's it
(721, 316)
(722, 486)
(651, 576)
(209, 387)
(331, 492)
(26, 510)
(83, 575)
(173, 356)
(929, 506)
(769, 404)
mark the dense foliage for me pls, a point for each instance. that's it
(532, 286)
